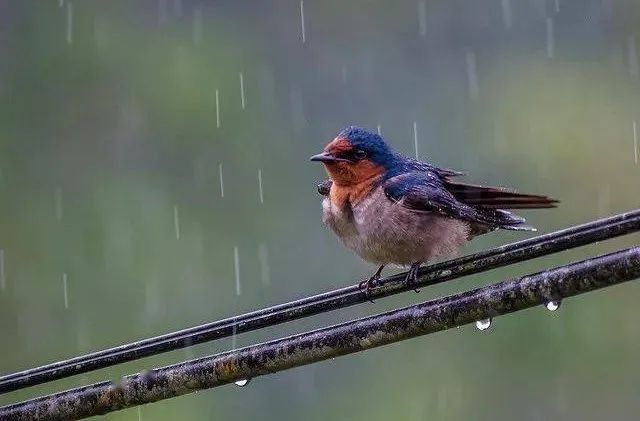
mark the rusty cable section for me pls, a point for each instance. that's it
(346, 338)
(531, 248)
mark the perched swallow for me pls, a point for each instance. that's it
(391, 209)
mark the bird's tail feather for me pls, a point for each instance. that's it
(497, 198)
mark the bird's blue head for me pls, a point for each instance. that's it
(356, 155)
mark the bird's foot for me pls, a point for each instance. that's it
(368, 284)
(412, 275)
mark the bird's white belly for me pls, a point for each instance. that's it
(384, 232)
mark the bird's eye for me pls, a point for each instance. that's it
(360, 154)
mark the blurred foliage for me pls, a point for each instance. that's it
(109, 139)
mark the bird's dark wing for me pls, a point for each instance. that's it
(324, 187)
(422, 192)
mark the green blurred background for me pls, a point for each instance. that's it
(111, 150)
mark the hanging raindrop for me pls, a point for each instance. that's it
(552, 305)
(483, 324)
(242, 382)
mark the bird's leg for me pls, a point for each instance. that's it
(367, 284)
(412, 275)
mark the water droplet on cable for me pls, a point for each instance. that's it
(483, 324)
(552, 305)
(242, 382)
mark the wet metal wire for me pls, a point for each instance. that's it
(554, 242)
(346, 338)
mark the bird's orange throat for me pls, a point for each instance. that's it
(352, 182)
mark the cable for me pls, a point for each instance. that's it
(330, 342)
(554, 242)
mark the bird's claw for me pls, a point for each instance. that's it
(412, 276)
(368, 284)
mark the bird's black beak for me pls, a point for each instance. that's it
(326, 157)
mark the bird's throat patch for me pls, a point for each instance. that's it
(349, 195)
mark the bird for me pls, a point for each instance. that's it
(391, 209)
